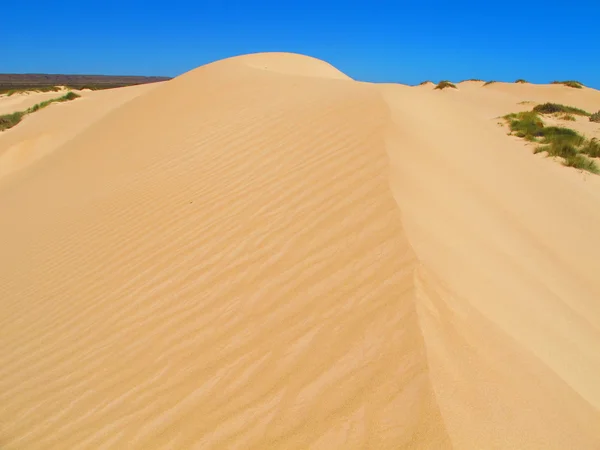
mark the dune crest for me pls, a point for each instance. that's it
(284, 258)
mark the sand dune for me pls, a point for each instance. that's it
(264, 253)
(48, 129)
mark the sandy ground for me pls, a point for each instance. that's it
(46, 130)
(264, 253)
(23, 100)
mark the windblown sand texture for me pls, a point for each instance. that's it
(263, 253)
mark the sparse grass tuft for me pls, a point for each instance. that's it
(561, 134)
(568, 117)
(582, 162)
(591, 148)
(527, 125)
(10, 120)
(521, 81)
(472, 79)
(65, 98)
(552, 108)
(445, 84)
(570, 83)
(490, 82)
(595, 117)
(68, 96)
(558, 147)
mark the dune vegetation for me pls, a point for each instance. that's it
(10, 120)
(572, 147)
(595, 117)
(445, 84)
(570, 83)
(521, 81)
(489, 82)
(553, 108)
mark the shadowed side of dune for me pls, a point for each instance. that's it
(507, 292)
(218, 263)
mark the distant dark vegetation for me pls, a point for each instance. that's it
(445, 84)
(47, 83)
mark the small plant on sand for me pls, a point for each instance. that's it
(570, 83)
(595, 117)
(489, 82)
(472, 79)
(568, 117)
(423, 83)
(553, 108)
(445, 84)
(573, 148)
(521, 81)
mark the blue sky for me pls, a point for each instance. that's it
(392, 41)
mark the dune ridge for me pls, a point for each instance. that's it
(264, 253)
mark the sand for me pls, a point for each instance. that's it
(264, 253)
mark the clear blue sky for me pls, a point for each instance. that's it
(395, 41)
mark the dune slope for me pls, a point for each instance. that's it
(46, 130)
(237, 277)
(263, 253)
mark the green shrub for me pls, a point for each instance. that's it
(521, 81)
(570, 83)
(68, 96)
(445, 84)
(595, 117)
(552, 108)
